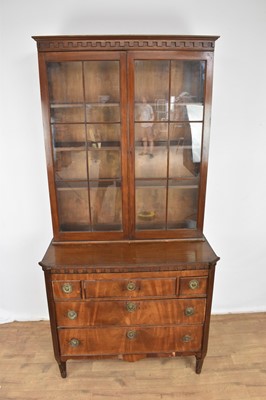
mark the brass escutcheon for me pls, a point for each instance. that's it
(74, 342)
(72, 314)
(131, 286)
(186, 338)
(67, 288)
(131, 335)
(189, 311)
(193, 284)
(131, 307)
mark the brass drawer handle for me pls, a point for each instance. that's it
(131, 286)
(193, 284)
(74, 342)
(67, 288)
(72, 314)
(186, 338)
(131, 307)
(189, 311)
(131, 334)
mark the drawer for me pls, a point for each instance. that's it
(131, 340)
(130, 287)
(193, 286)
(145, 312)
(67, 289)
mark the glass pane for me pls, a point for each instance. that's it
(103, 112)
(102, 81)
(106, 205)
(69, 135)
(182, 204)
(102, 91)
(151, 90)
(67, 113)
(104, 164)
(65, 82)
(70, 164)
(150, 204)
(107, 133)
(185, 149)
(151, 150)
(187, 90)
(73, 206)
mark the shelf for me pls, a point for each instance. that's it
(90, 147)
(92, 183)
(73, 105)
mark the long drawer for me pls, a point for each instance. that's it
(132, 340)
(130, 287)
(133, 312)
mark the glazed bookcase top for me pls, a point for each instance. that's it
(127, 125)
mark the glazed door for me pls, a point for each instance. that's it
(169, 121)
(86, 143)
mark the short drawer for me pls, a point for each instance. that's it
(119, 313)
(190, 286)
(67, 289)
(131, 340)
(130, 287)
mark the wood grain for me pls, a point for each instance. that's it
(97, 313)
(233, 370)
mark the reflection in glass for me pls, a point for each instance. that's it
(182, 204)
(185, 149)
(187, 90)
(102, 91)
(168, 137)
(104, 164)
(160, 132)
(73, 206)
(151, 165)
(151, 155)
(151, 150)
(70, 164)
(107, 133)
(151, 80)
(106, 205)
(150, 204)
(103, 112)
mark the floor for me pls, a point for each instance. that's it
(234, 369)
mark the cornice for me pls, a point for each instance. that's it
(87, 43)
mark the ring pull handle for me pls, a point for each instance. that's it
(131, 286)
(189, 311)
(131, 307)
(194, 284)
(67, 288)
(131, 335)
(72, 314)
(186, 338)
(74, 342)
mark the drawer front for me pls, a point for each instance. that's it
(131, 340)
(65, 290)
(145, 312)
(130, 287)
(191, 287)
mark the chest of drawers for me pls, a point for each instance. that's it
(106, 302)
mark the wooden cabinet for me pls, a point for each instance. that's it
(129, 272)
